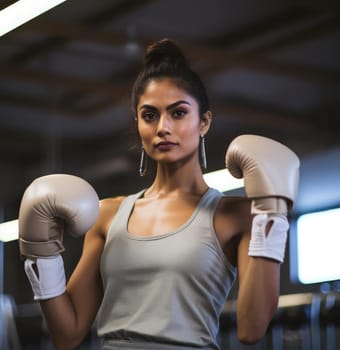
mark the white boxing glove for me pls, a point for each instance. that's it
(271, 172)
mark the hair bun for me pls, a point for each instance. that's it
(162, 51)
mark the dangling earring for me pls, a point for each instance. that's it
(203, 155)
(143, 164)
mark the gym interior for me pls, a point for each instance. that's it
(271, 67)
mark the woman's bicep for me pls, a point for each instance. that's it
(242, 255)
(85, 285)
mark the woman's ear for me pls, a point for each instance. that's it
(205, 122)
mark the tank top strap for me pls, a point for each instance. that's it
(208, 203)
(121, 218)
(129, 202)
(211, 196)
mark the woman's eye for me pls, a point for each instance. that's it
(179, 113)
(148, 116)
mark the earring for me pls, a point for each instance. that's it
(143, 164)
(203, 155)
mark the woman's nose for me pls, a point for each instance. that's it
(164, 125)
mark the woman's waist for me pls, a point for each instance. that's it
(135, 341)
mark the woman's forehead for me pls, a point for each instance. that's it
(165, 91)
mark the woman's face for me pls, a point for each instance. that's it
(169, 123)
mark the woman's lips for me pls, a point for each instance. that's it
(165, 146)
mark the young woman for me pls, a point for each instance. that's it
(157, 266)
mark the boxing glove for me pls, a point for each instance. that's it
(51, 206)
(271, 173)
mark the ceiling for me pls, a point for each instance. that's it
(272, 67)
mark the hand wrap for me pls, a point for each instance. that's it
(49, 280)
(271, 245)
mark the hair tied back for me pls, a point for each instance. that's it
(164, 50)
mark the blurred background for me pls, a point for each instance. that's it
(271, 67)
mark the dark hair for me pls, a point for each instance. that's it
(164, 59)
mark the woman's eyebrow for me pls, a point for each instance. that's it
(172, 105)
(146, 106)
(175, 104)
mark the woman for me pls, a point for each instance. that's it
(157, 266)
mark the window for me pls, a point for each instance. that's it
(315, 249)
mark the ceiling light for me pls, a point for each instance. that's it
(222, 180)
(9, 231)
(23, 11)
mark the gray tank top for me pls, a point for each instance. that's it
(167, 289)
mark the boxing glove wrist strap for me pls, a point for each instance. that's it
(46, 276)
(271, 245)
(40, 249)
(269, 205)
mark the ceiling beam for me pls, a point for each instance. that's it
(319, 28)
(329, 5)
(307, 127)
(263, 117)
(276, 23)
(65, 81)
(119, 9)
(292, 70)
(72, 31)
(216, 59)
(94, 20)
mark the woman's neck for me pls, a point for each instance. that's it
(175, 180)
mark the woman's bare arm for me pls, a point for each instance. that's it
(70, 316)
(259, 288)
(258, 277)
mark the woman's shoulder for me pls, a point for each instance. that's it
(111, 203)
(108, 210)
